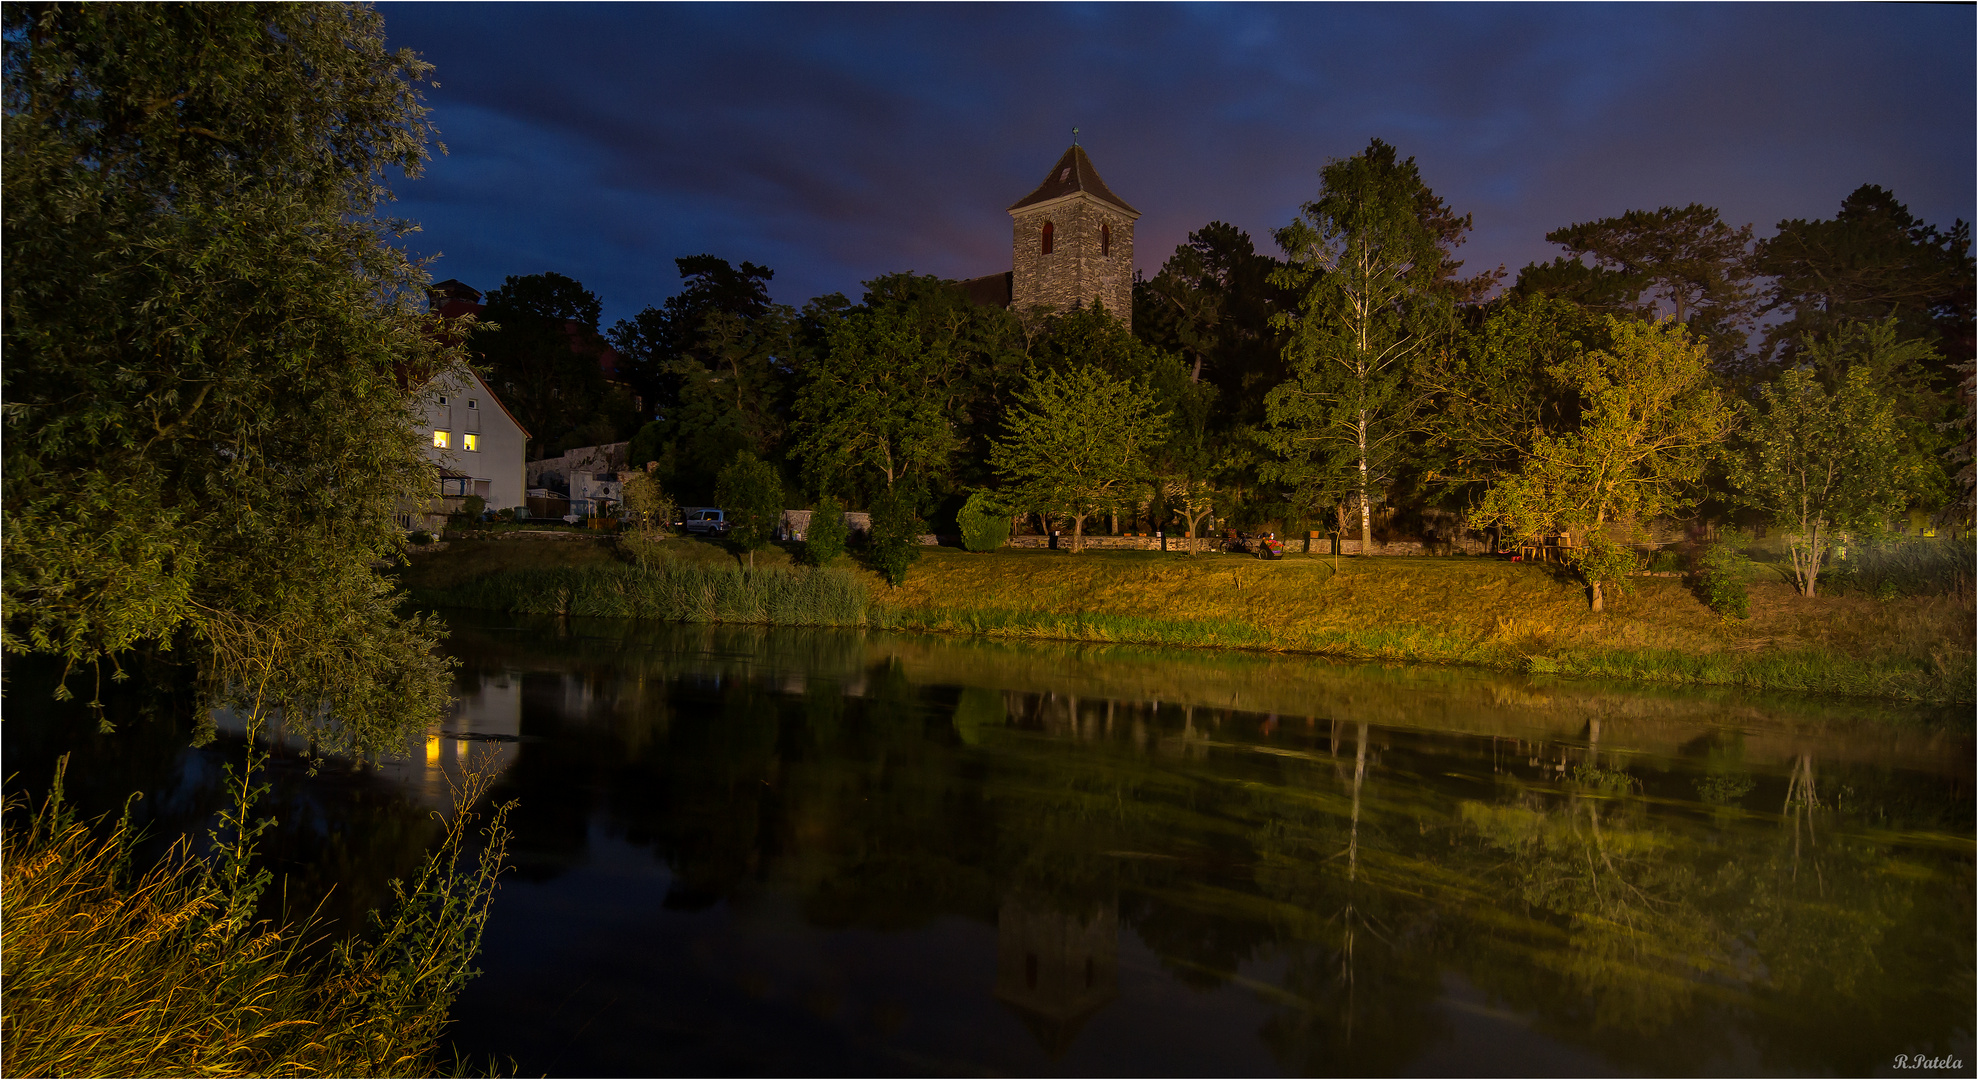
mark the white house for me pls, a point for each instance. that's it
(477, 444)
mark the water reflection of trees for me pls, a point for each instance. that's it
(1668, 911)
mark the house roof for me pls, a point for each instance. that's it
(1073, 174)
(496, 398)
(989, 290)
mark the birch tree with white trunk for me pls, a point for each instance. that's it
(1369, 262)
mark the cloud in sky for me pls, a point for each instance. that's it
(837, 143)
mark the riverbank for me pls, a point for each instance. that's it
(1465, 610)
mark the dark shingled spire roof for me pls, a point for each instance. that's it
(1073, 173)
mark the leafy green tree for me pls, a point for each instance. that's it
(1873, 260)
(984, 522)
(896, 532)
(1646, 421)
(1498, 386)
(714, 364)
(538, 339)
(1191, 501)
(651, 515)
(1905, 371)
(1370, 265)
(651, 507)
(653, 342)
(825, 539)
(733, 396)
(1212, 302)
(886, 398)
(752, 495)
(1076, 442)
(213, 347)
(1816, 462)
(1192, 452)
(1685, 263)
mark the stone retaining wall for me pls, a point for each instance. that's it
(796, 523)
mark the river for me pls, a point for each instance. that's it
(749, 851)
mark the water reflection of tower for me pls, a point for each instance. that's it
(1055, 970)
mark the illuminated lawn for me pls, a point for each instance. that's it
(1470, 610)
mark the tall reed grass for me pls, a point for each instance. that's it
(115, 971)
(1942, 566)
(672, 591)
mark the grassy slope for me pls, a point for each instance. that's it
(1464, 610)
(1471, 610)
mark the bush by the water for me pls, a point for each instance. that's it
(672, 591)
(984, 524)
(1722, 571)
(824, 539)
(895, 533)
(1940, 566)
(115, 970)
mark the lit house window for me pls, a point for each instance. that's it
(470, 442)
(1044, 238)
(441, 441)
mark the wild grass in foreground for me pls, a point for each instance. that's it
(671, 591)
(113, 971)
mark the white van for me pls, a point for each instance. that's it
(704, 520)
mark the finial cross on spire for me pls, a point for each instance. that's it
(1074, 136)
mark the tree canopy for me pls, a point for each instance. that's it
(1370, 264)
(1077, 442)
(1817, 459)
(1872, 260)
(213, 348)
(1686, 264)
(538, 340)
(1648, 419)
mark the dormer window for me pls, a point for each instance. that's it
(1064, 174)
(1105, 248)
(1044, 238)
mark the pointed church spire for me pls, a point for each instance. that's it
(1073, 174)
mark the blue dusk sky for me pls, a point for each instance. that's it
(835, 143)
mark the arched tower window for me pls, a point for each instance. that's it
(1044, 238)
(1105, 238)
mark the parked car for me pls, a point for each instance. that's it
(703, 520)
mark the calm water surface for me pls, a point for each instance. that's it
(801, 852)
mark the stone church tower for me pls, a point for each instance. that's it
(1073, 243)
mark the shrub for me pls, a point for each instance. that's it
(1933, 567)
(752, 494)
(421, 536)
(825, 539)
(895, 534)
(649, 504)
(1721, 570)
(473, 506)
(984, 522)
